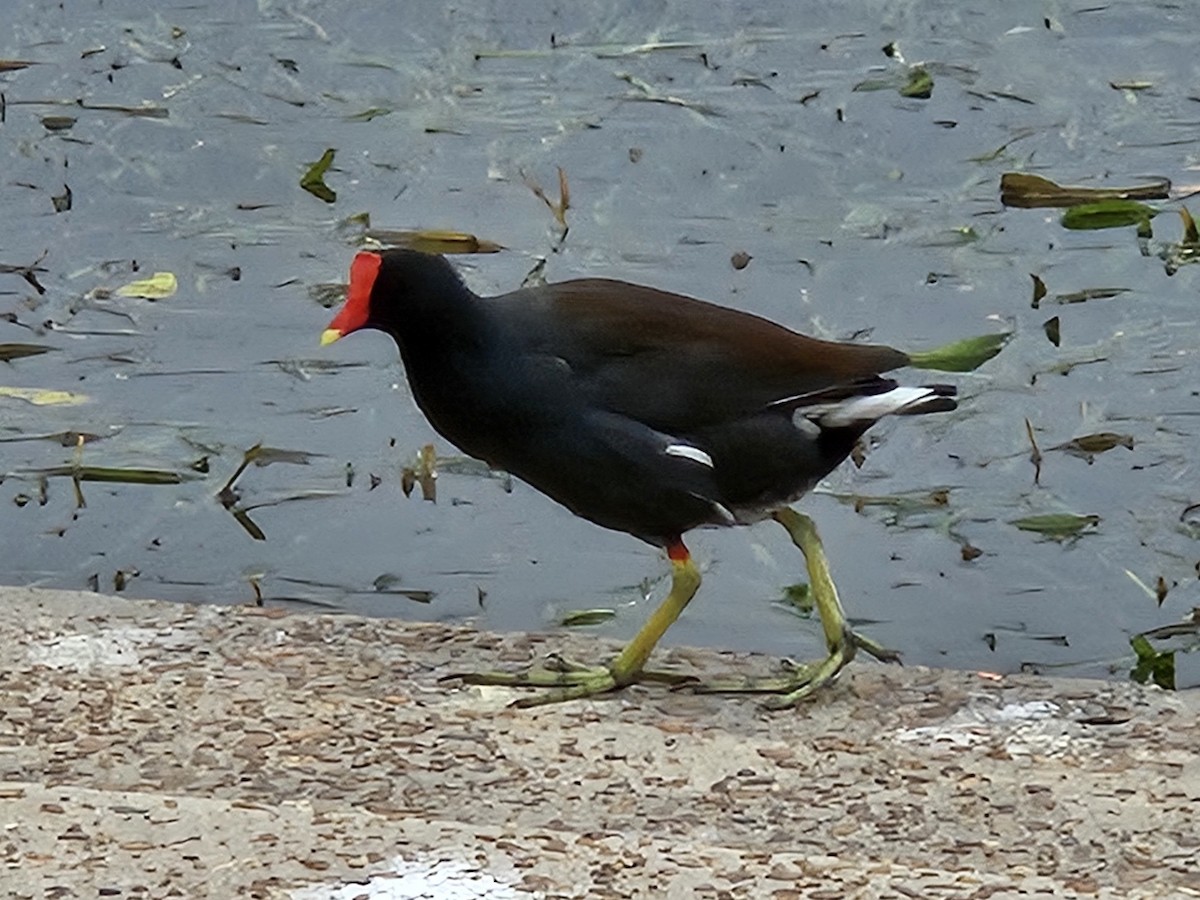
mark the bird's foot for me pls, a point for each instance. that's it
(801, 680)
(564, 680)
(875, 649)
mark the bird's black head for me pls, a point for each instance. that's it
(390, 286)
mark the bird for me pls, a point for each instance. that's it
(642, 411)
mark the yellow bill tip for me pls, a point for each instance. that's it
(329, 335)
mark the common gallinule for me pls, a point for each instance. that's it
(643, 411)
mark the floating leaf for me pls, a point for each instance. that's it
(900, 504)
(1053, 329)
(1056, 525)
(1187, 251)
(1068, 366)
(26, 272)
(1025, 191)
(580, 617)
(65, 438)
(9, 352)
(1090, 294)
(874, 84)
(639, 49)
(970, 552)
(158, 286)
(1152, 665)
(119, 474)
(435, 241)
(558, 207)
(1058, 639)
(645, 92)
(1107, 214)
(919, 84)
(1089, 445)
(313, 179)
(389, 583)
(1039, 290)
(1131, 85)
(423, 471)
(966, 355)
(146, 111)
(368, 114)
(243, 518)
(265, 456)
(62, 202)
(800, 598)
(1190, 234)
(1185, 634)
(260, 456)
(43, 397)
(58, 123)
(1021, 134)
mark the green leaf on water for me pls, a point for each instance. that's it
(1108, 214)
(919, 84)
(43, 396)
(1057, 526)
(874, 84)
(581, 617)
(1089, 445)
(158, 286)
(800, 598)
(435, 241)
(1152, 665)
(966, 355)
(313, 180)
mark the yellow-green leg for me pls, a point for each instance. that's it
(567, 680)
(805, 679)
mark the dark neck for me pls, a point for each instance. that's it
(439, 315)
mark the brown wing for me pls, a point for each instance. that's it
(677, 363)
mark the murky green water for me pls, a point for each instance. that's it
(687, 132)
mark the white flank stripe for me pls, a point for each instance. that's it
(687, 451)
(870, 408)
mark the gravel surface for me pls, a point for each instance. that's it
(160, 750)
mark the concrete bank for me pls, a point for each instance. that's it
(152, 750)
